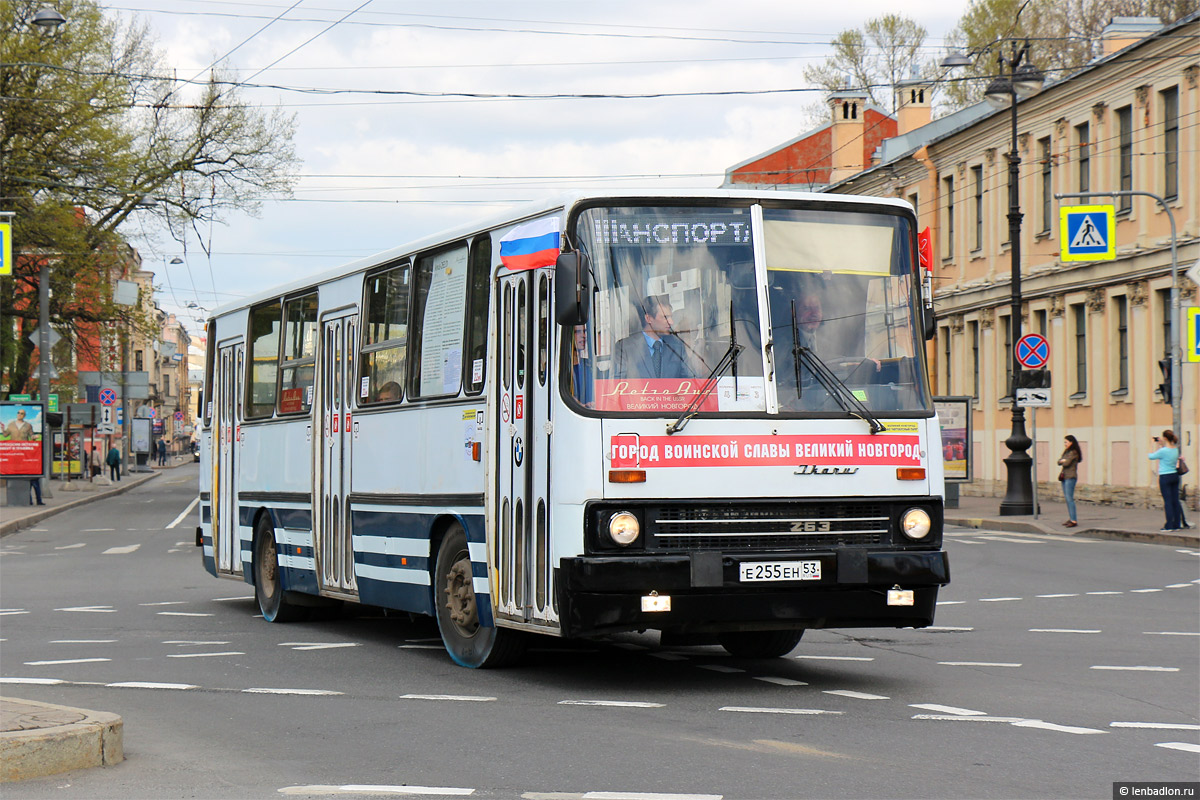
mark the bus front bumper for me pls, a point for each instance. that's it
(599, 595)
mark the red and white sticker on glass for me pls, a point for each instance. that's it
(646, 452)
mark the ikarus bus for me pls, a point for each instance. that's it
(701, 413)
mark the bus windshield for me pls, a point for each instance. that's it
(677, 306)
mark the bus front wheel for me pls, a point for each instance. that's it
(268, 589)
(760, 644)
(468, 642)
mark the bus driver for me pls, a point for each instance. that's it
(655, 351)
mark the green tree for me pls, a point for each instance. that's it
(1064, 35)
(94, 136)
(884, 52)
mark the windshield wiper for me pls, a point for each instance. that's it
(710, 383)
(832, 383)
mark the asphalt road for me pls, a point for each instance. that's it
(1058, 667)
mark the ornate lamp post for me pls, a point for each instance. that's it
(1017, 80)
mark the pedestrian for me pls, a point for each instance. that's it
(1069, 476)
(114, 463)
(162, 452)
(1167, 456)
(94, 461)
(36, 485)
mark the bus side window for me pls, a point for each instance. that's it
(384, 336)
(299, 354)
(439, 313)
(478, 294)
(265, 324)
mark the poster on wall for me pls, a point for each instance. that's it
(954, 419)
(22, 427)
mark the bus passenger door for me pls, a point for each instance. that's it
(226, 419)
(524, 581)
(333, 442)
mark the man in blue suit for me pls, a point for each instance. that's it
(655, 351)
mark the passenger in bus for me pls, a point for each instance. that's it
(654, 351)
(389, 391)
(581, 368)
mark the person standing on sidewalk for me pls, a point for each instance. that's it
(1167, 456)
(1069, 476)
(114, 463)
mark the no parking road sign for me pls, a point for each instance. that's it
(1033, 351)
(1088, 233)
(107, 397)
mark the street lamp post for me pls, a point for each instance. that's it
(1017, 80)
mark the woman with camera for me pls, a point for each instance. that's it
(1167, 456)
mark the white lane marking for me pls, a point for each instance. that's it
(33, 681)
(1138, 669)
(121, 551)
(90, 609)
(166, 603)
(757, 710)
(856, 695)
(951, 602)
(1179, 585)
(151, 685)
(1050, 726)
(463, 697)
(720, 668)
(779, 681)
(8, 612)
(944, 628)
(186, 511)
(977, 664)
(306, 692)
(1067, 594)
(835, 658)
(1186, 747)
(1097, 594)
(65, 661)
(71, 546)
(227, 599)
(958, 718)
(419, 646)
(204, 655)
(83, 641)
(648, 796)
(965, 712)
(998, 599)
(183, 614)
(189, 642)
(317, 645)
(1164, 726)
(1171, 633)
(1062, 630)
(611, 703)
(1144, 591)
(97, 530)
(437, 791)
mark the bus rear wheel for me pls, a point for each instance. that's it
(268, 589)
(760, 644)
(468, 642)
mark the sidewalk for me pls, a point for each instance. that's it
(1095, 520)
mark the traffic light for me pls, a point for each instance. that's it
(1164, 364)
(54, 419)
(1033, 379)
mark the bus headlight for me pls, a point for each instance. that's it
(916, 523)
(624, 528)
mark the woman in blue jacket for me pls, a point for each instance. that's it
(1167, 456)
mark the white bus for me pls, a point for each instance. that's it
(701, 413)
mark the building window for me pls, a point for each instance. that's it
(1121, 307)
(948, 210)
(977, 180)
(138, 361)
(1170, 105)
(1047, 182)
(1006, 330)
(1125, 157)
(1084, 161)
(974, 328)
(1079, 316)
(1040, 321)
(946, 352)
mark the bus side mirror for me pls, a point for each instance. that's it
(572, 288)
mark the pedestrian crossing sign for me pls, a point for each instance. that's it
(1088, 233)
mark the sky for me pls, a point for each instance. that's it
(380, 167)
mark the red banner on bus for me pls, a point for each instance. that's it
(646, 452)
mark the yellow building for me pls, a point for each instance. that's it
(1130, 120)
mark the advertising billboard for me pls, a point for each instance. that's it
(22, 433)
(954, 417)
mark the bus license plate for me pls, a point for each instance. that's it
(751, 571)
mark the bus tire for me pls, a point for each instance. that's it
(468, 642)
(760, 644)
(268, 589)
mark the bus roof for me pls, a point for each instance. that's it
(535, 209)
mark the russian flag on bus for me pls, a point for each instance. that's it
(532, 245)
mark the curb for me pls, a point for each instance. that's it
(36, 517)
(1017, 526)
(82, 739)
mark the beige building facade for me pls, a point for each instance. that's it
(1129, 121)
